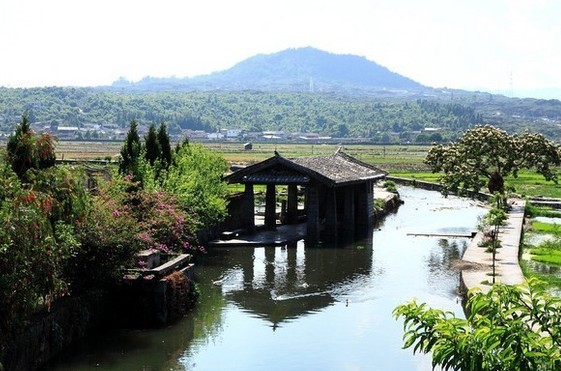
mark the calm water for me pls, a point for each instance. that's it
(306, 307)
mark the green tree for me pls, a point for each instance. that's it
(130, 152)
(20, 148)
(25, 151)
(196, 180)
(485, 155)
(165, 146)
(37, 236)
(153, 151)
(508, 328)
(496, 218)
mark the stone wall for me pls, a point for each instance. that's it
(70, 319)
(50, 332)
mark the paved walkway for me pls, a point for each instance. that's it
(477, 265)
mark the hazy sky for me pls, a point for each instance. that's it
(502, 45)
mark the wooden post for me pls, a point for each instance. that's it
(248, 208)
(292, 212)
(271, 207)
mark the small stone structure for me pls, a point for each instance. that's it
(338, 189)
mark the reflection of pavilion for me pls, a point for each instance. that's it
(338, 192)
(284, 283)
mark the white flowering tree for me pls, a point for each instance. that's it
(485, 155)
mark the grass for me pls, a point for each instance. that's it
(533, 211)
(548, 280)
(541, 227)
(546, 256)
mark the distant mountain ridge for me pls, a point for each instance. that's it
(301, 69)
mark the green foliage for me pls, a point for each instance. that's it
(485, 155)
(548, 251)
(165, 146)
(130, 153)
(541, 227)
(508, 328)
(336, 115)
(37, 237)
(107, 237)
(532, 211)
(25, 151)
(196, 181)
(547, 256)
(152, 147)
(389, 185)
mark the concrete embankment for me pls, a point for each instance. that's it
(435, 187)
(477, 264)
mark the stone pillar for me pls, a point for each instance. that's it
(270, 207)
(331, 225)
(292, 212)
(248, 208)
(349, 208)
(312, 227)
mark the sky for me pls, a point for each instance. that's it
(512, 47)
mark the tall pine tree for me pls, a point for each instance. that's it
(25, 151)
(153, 151)
(20, 148)
(165, 146)
(130, 152)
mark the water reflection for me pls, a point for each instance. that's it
(283, 283)
(305, 307)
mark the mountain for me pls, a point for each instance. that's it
(302, 69)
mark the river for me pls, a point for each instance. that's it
(306, 307)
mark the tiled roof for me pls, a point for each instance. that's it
(332, 170)
(340, 168)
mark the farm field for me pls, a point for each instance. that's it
(399, 160)
(388, 157)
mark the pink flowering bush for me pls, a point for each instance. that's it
(108, 239)
(162, 224)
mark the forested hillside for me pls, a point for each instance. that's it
(326, 114)
(337, 115)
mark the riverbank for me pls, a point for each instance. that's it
(476, 264)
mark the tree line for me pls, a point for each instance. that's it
(328, 114)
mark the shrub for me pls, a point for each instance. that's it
(508, 328)
(35, 243)
(195, 179)
(390, 186)
(162, 224)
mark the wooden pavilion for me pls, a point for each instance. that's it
(338, 189)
